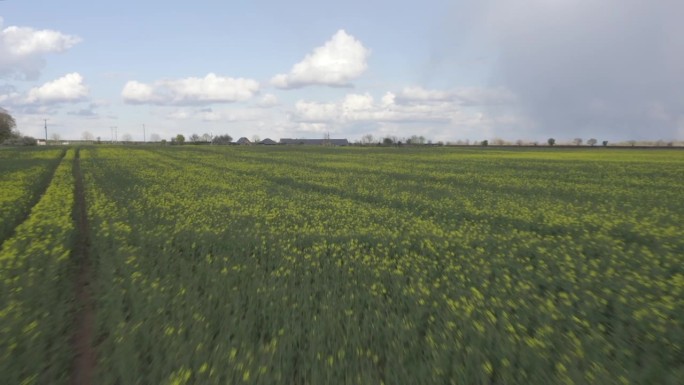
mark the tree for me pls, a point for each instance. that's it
(484, 143)
(367, 139)
(519, 142)
(87, 136)
(194, 138)
(180, 139)
(592, 142)
(631, 142)
(256, 139)
(577, 141)
(20, 141)
(551, 141)
(7, 125)
(127, 138)
(605, 143)
(222, 139)
(388, 141)
(155, 138)
(55, 137)
(206, 137)
(415, 139)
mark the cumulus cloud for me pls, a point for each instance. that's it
(610, 68)
(216, 115)
(439, 115)
(267, 101)
(340, 60)
(363, 107)
(469, 96)
(191, 91)
(420, 94)
(22, 49)
(68, 88)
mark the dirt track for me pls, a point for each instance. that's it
(84, 320)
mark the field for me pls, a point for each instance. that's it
(295, 265)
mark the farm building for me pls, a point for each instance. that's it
(268, 141)
(316, 142)
(243, 140)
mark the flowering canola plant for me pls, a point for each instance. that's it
(24, 175)
(36, 288)
(306, 265)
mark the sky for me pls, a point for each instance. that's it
(447, 70)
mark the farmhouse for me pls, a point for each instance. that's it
(316, 142)
(268, 142)
(243, 140)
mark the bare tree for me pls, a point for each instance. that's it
(367, 139)
(256, 139)
(206, 137)
(127, 138)
(577, 141)
(87, 136)
(56, 137)
(592, 142)
(155, 138)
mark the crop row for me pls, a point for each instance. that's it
(380, 266)
(36, 289)
(23, 177)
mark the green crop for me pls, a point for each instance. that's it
(305, 265)
(395, 266)
(36, 289)
(24, 175)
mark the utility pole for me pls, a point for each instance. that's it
(45, 131)
(114, 133)
(144, 136)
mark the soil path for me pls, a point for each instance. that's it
(84, 321)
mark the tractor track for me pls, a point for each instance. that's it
(84, 320)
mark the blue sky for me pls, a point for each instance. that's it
(447, 70)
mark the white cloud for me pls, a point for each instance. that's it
(362, 107)
(413, 94)
(68, 88)
(217, 115)
(467, 96)
(22, 48)
(439, 115)
(268, 101)
(340, 60)
(136, 92)
(191, 91)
